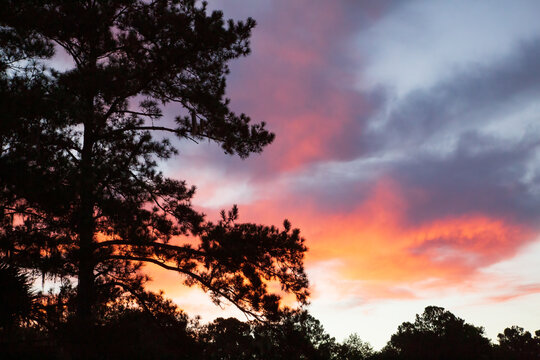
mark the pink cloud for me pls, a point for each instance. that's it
(516, 292)
(296, 81)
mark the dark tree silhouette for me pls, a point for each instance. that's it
(15, 298)
(131, 332)
(516, 343)
(298, 335)
(228, 339)
(17, 317)
(353, 348)
(438, 334)
(81, 193)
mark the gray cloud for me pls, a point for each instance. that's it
(450, 143)
(468, 181)
(439, 140)
(470, 100)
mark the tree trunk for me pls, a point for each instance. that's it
(85, 291)
(85, 286)
(86, 296)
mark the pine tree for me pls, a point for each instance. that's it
(438, 334)
(82, 196)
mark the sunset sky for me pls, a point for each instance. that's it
(407, 151)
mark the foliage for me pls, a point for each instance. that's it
(298, 335)
(353, 348)
(228, 339)
(438, 334)
(128, 331)
(16, 297)
(516, 343)
(81, 194)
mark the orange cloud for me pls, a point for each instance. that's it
(375, 252)
(374, 242)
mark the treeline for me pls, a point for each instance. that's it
(41, 326)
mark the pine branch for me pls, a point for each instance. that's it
(194, 276)
(163, 246)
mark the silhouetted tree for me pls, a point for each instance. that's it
(20, 338)
(298, 335)
(82, 195)
(15, 297)
(438, 334)
(517, 344)
(130, 331)
(353, 348)
(225, 339)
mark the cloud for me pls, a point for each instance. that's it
(376, 243)
(299, 79)
(487, 182)
(479, 98)
(466, 144)
(297, 85)
(347, 293)
(405, 192)
(516, 292)
(421, 43)
(457, 137)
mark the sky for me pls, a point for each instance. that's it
(407, 152)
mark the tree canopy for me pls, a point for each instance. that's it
(516, 343)
(15, 297)
(166, 332)
(82, 196)
(438, 334)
